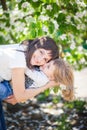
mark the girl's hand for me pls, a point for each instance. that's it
(11, 99)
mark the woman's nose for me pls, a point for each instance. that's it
(41, 59)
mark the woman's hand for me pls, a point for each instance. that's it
(52, 84)
(11, 99)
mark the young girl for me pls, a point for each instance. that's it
(57, 70)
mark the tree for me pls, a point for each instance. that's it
(63, 20)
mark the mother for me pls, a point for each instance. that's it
(13, 63)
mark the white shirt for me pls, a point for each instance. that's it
(39, 78)
(11, 58)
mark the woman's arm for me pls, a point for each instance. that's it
(18, 83)
(32, 93)
(11, 99)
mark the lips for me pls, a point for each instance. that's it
(41, 68)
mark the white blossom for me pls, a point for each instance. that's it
(74, 128)
(16, 14)
(25, 30)
(55, 24)
(68, 18)
(44, 18)
(49, 7)
(2, 25)
(56, 15)
(72, 46)
(30, 19)
(71, 36)
(57, 2)
(18, 1)
(34, 0)
(81, 14)
(20, 27)
(45, 29)
(82, 60)
(63, 11)
(80, 3)
(25, 5)
(80, 48)
(63, 37)
(77, 19)
(1, 11)
(81, 26)
(68, 54)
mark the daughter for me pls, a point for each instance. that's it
(57, 70)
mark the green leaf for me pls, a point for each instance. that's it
(55, 89)
(47, 92)
(32, 33)
(51, 27)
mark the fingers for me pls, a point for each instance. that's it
(11, 96)
(11, 101)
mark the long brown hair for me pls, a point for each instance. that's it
(46, 43)
(63, 74)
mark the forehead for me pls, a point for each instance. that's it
(46, 52)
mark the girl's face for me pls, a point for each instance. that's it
(40, 57)
(48, 69)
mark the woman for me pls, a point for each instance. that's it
(13, 63)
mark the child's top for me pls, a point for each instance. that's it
(39, 78)
(10, 58)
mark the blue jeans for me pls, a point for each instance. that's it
(5, 90)
(2, 120)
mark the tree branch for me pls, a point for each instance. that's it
(3, 3)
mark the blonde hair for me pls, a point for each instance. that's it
(63, 74)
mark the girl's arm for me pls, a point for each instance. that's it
(18, 83)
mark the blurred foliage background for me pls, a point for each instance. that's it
(63, 20)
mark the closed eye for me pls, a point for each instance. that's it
(41, 52)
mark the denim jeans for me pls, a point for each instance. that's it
(2, 120)
(5, 90)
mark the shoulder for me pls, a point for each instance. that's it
(9, 46)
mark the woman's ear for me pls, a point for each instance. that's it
(25, 42)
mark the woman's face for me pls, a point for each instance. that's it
(40, 57)
(48, 69)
